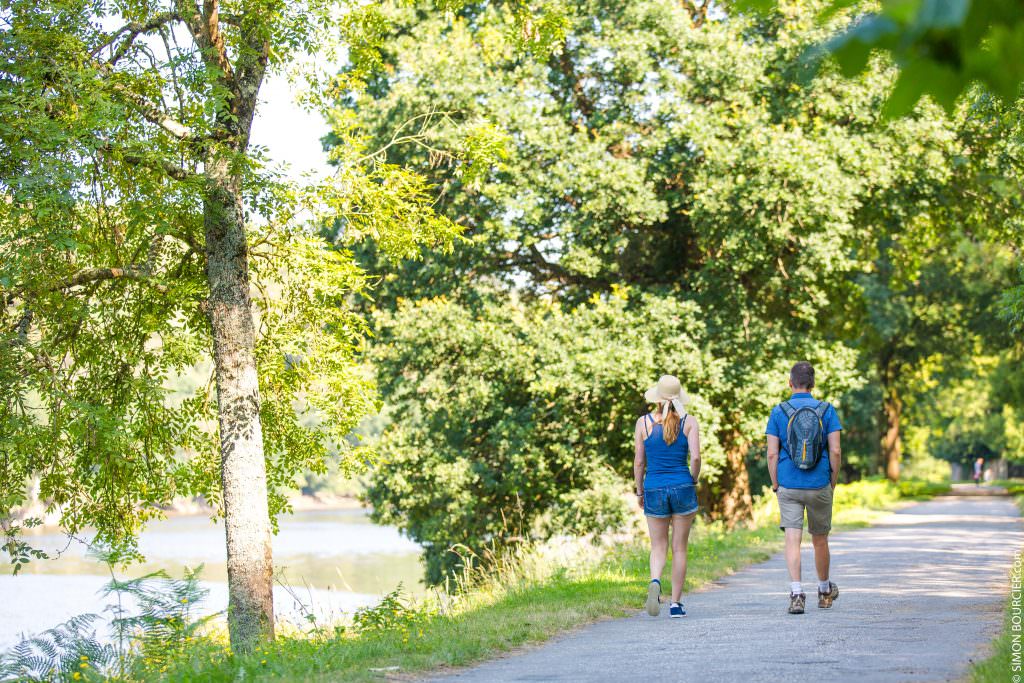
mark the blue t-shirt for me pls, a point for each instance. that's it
(791, 476)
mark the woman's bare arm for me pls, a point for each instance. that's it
(639, 460)
(693, 439)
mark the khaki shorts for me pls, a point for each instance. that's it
(817, 502)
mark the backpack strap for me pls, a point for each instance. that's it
(821, 409)
(790, 413)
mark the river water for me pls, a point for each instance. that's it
(329, 562)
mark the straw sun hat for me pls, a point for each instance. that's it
(668, 390)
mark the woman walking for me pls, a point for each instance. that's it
(666, 468)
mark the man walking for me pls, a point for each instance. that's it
(803, 463)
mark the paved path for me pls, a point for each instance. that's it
(922, 594)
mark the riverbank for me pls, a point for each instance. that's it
(527, 600)
(334, 561)
(194, 507)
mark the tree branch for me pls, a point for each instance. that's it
(149, 111)
(535, 263)
(698, 13)
(134, 30)
(162, 165)
(565, 66)
(89, 275)
(213, 39)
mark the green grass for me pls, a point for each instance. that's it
(494, 619)
(528, 599)
(1015, 487)
(998, 667)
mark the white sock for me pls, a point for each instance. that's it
(824, 586)
(795, 588)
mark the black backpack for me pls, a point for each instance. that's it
(805, 433)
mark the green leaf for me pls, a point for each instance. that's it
(902, 11)
(853, 47)
(919, 78)
(998, 61)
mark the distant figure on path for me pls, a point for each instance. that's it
(979, 466)
(666, 484)
(803, 463)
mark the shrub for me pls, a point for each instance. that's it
(514, 422)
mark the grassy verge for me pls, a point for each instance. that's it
(497, 616)
(1005, 652)
(528, 599)
(1015, 487)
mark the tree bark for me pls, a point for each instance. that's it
(732, 502)
(243, 469)
(736, 504)
(892, 410)
(892, 446)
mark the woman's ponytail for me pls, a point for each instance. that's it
(670, 424)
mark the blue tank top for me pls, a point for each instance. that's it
(667, 464)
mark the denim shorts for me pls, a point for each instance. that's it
(671, 500)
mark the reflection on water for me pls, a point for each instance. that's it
(335, 560)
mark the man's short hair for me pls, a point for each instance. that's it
(802, 375)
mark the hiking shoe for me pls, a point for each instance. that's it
(676, 611)
(654, 598)
(797, 602)
(825, 599)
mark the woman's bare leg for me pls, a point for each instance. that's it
(680, 539)
(658, 528)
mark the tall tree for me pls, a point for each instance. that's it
(672, 153)
(132, 251)
(919, 309)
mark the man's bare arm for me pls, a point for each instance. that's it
(835, 456)
(773, 460)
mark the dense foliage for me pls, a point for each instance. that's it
(514, 419)
(666, 161)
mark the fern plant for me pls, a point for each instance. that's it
(70, 651)
(151, 620)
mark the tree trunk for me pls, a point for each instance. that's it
(243, 469)
(731, 501)
(892, 410)
(892, 446)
